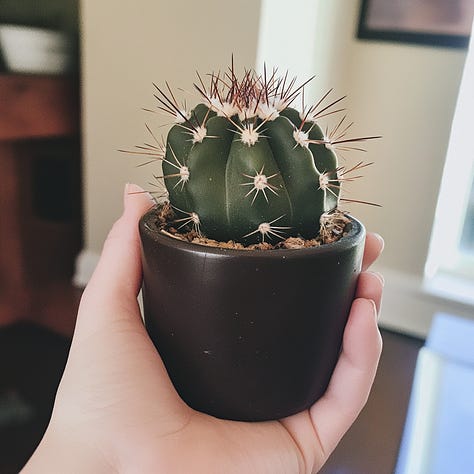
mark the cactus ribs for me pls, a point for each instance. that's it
(245, 166)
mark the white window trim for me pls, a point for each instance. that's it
(409, 305)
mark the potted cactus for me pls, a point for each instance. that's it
(249, 267)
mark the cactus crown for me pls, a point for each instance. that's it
(244, 165)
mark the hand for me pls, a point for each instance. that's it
(116, 409)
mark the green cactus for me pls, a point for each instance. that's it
(245, 166)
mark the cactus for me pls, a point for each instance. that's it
(246, 166)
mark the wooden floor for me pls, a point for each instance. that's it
(32, 359)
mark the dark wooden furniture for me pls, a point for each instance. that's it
(34, 252)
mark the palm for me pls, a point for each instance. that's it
(125, 391)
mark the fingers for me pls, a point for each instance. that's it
(370, 286)
(117, 277)
(353, 376)
(374, 245)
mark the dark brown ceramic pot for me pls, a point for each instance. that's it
(248, 335)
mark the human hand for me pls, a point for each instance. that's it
(117, 410)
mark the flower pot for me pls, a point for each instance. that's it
(248, 335)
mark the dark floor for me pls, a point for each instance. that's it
(31, 362)
(32, 359)
(371, 445)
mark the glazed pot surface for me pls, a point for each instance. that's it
(248, 335)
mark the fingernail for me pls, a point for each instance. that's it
(381, 240)
(374, 308)
(133, 189)
(379, 276)
(125, 194)
(368, 306)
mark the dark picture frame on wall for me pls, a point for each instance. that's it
(443, 23)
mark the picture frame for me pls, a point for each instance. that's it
(439, 23)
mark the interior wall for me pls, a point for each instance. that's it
(403, 92)
(126, 47)
(407, 94)
(410, 102)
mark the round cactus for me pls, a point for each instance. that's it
(245, 166)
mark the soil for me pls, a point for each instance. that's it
(334, 226)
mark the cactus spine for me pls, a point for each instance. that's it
(245, 166)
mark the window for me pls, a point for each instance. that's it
(450, 264)
(467, 238)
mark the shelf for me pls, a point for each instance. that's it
(33, 109)
(38, 106)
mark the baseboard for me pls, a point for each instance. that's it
(408, 306)
(86, 262)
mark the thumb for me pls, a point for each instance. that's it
(116, 280)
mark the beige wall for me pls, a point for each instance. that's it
(127, 46)
(405, 93)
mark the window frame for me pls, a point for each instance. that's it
(449, 269)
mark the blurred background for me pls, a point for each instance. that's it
(75, 77)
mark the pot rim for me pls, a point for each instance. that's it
(353, 237)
